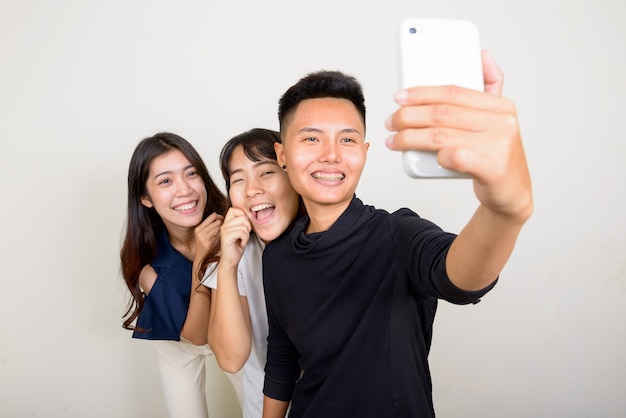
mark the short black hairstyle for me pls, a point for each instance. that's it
(319, 85)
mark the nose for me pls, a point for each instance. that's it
(253, 188)
(184, 187)
(330, 152)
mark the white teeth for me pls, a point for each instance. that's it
(328, 177)
(261, 207)
(186, 206)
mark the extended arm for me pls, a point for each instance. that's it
(229, 329)
(475, 133)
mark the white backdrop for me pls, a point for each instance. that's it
(81, 82)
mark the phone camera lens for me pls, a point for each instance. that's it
(417, 30)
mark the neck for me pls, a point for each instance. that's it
(184, 241)
(323, 216)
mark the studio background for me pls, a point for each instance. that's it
(81, 82)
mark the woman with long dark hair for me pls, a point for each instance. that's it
(175, 212)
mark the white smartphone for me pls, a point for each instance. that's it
(436, 52)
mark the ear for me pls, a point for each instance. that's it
(280, 153)
(145, 200)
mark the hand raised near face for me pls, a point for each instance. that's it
(234, 236)
(206, 233)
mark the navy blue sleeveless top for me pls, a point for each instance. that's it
(165, 307)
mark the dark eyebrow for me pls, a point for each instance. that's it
(163, 173)
(350, 131)
(317, 130)
(309, 129)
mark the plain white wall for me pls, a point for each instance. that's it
(81, 82)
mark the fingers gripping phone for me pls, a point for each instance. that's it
(435, 52)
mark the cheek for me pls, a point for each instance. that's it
(295, 204)
(281, 188)
(161, 202)
(357, 161)
(296, 170)
(297, 160)
(201, 191)
(236, 198)
(289, 203)
(199, 187)
(158, 197)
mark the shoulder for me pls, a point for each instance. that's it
(406, 227)
(401, 218)
(404, 213)
(406, 216)
(360, 212)
(166, 255)
(147, 277)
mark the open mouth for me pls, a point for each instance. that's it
(262, 212)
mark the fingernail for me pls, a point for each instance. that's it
(401, 96)
(389, 141)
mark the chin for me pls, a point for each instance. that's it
(267, 236)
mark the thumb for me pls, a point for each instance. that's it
(493, 75)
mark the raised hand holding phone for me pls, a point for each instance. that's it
(475, 132)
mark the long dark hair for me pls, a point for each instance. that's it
(143, 223)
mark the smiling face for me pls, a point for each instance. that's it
(176, 191)
(324, 150)
(262, 190)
